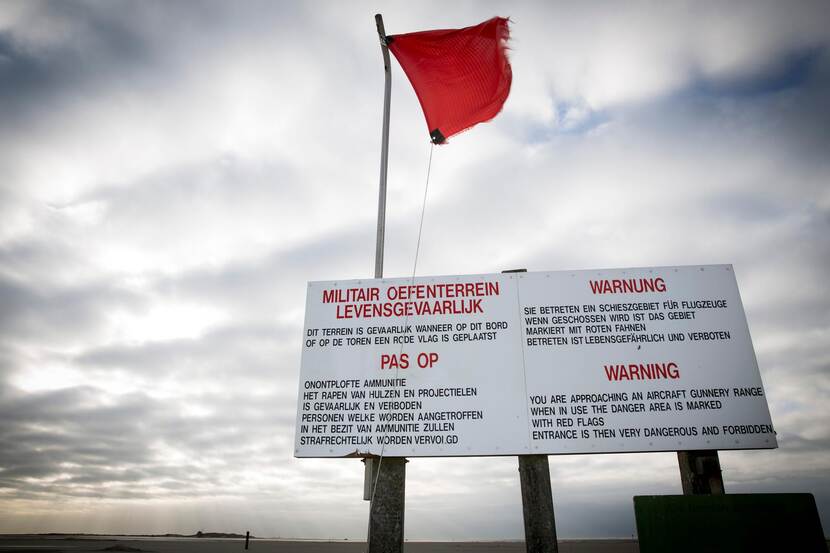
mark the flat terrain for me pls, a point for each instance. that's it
(79, 544)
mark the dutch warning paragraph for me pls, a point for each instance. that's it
(654, 359)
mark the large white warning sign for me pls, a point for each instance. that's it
(655, 359)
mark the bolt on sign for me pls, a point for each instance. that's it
(601, 361)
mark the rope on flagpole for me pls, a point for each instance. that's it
(423, 209)
(406, 320)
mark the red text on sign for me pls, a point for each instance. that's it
(394, 361)
(627, 286)
(642, 371)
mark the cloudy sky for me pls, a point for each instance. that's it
(173, 173)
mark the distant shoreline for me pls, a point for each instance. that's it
(198, 535)
(231, 535)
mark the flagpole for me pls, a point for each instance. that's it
(384, 478)
(384, 148)
(369, 462)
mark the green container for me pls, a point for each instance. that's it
(729, 523)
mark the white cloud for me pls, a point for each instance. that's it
(173, 175)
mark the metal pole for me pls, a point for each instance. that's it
(700, 472)
(386, 485)
(381, 230)
(384, 148)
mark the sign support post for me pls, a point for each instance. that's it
(537, 498)
(537, 504)
(386, 511)
(700, 472)
(386, 486)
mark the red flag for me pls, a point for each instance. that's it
(461, 76)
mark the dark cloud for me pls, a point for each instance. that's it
(67, 53)
(245, 351)
(29, 310)
(80, 442)
(789, 71)
(277, 281)
(38, 75)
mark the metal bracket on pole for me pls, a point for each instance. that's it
(700, 472)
